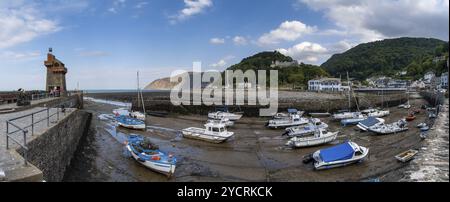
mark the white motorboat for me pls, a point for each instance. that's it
(320, 136)
(384, 129)
(224, 115)
(370, 110)
(213, 132)
(369, 122)
(225, 121)
(312, 126)
(345, 115)
(379, 113)
(340, 155)
(293, 120)
(287, 115)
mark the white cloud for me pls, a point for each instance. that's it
(239, 40)
(141, 5)
(305, 52)
(314, 53)
(217, 41)
(287, 31)
(20, 23)
(11, 55)
(192, 7)
(370, 20)
(116, 5)
(93, 53)
(222, 62)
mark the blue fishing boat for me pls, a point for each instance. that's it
(150, 156)
(340, 155)
(131, 123)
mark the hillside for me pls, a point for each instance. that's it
(165, 84)
(294, 75)
(161, 84)
(385, 57)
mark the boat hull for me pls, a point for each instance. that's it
(163, 168)
(312, 141)
(205, 137)
(134, 127)
(321, 165)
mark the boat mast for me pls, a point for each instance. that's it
(140, 95)
(349, 93)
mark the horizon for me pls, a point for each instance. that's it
(104, 43)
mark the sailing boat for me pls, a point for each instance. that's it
(135, 120)
(140, 98)
(349, 114)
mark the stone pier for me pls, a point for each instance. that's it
(51, 142)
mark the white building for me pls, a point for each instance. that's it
(418, 84)
(428, 77)
(325, 84)
(283, 64)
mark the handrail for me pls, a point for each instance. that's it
(23, 129)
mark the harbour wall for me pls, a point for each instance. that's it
(306, 101)
(433, 98)
(52, 151)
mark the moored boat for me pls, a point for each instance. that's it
(131, 123)
(385, 129)
(340, 155)
(225, 114)
(353, 121)
(410, 117)
(321, 136)
(379, 113)
(293, 120)
(225, 121)
(312, 126)
(369, 122)
(213, 132)
(345, 115)
(149, 155)
(407, 155)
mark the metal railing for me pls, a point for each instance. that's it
(13, 128)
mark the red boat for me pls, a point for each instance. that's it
(410, 117)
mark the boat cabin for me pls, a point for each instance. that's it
(215, 127)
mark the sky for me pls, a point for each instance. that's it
(105, 42)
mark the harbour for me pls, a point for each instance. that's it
(255, 153)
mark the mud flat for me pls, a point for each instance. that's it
(255, 153)
(432, 161)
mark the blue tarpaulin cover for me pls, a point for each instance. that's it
(291, 111)
(369, 122)
(340, 152)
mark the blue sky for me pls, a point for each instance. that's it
(104, 42)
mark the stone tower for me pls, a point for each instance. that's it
(56, 74)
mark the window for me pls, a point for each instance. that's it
(216, 129)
